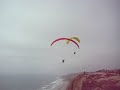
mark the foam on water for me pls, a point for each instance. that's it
(59, 84)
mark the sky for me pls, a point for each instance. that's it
(27, 28)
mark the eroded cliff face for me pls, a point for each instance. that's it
(99, 80)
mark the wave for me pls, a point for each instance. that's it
(59, 84)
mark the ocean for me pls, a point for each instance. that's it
(25, 81)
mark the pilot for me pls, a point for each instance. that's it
(63, 61)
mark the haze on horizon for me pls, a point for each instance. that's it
(27, 27)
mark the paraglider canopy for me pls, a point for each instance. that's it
(76, 38)
(65, 39)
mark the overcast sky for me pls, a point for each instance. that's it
(27, 27)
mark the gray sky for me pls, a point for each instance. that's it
(27, 27)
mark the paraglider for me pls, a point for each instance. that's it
(76, 38)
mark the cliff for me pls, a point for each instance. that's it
(99, 80)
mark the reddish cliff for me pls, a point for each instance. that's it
(99, 80)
